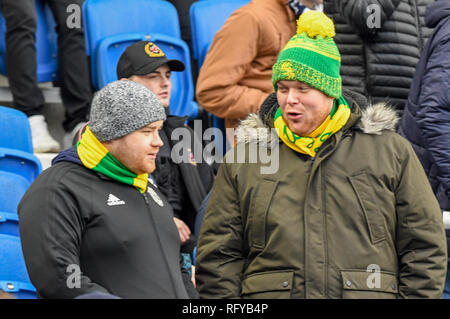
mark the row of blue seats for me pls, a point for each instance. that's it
(18, 169)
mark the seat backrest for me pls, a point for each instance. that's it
(208, 17)
(46, 44)
(105, 18)
(15, 130)
(21, 163)
(12, 188)
(9, 224)
(13, 272)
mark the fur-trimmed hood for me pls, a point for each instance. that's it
(373, 119)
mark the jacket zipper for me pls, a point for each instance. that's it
(146, 200)
(159, 241)
(418, 28)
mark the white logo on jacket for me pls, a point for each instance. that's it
(114, 201)
(155, 196)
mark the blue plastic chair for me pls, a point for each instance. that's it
(15, 130)
(208, 17)
(13, 272)
(194, 255)
(151, 20)
(46, 44)
(12, 189)
(21, 163)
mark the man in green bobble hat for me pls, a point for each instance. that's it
(348, 214)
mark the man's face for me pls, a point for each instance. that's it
(137, 150)
(158, 82)
(303, 107)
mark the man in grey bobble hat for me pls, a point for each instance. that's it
(95, 212)
(123, 107)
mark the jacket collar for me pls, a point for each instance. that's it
(371, 119)
(282, 3)
(174, 121)
(289, 11)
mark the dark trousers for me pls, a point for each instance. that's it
(74, 76)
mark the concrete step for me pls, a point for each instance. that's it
(51, 95)
(46, 159)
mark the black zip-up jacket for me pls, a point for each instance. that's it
(124, 242)
(184, 184)
(380, 42)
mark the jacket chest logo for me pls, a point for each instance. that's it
(155, 197)
(114, 201)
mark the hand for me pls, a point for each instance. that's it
(183, 230)
(193, 276)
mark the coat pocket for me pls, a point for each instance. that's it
(365, 194)
(360, 284)
(258, 212)
(270, 284)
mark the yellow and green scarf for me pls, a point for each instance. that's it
(309, 145)
(95, 156)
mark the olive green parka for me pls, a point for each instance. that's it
(358, 221)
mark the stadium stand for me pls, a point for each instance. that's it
(153, 20)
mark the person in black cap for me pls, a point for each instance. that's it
(144, 62)
(185, 184)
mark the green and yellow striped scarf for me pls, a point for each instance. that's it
(309, 145)
(95, 156)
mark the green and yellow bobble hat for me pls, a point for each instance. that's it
(312, 57)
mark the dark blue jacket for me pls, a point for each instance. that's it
(426, 118)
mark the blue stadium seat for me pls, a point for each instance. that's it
(12, 187)
(153, 20)
(46, 44)
(208, 17)
(13, 272)
(21, 163)
(15, 130)
(194, 255)
(9, 224)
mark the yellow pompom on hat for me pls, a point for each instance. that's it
(315, 23)
(311, 56)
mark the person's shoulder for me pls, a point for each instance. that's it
(250, 13)
(63, 173)
(379, 123)
(377, 119)
(57, 179)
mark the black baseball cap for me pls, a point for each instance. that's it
(142, 58)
